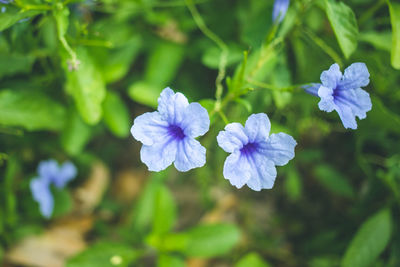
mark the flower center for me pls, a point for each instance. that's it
(248, 148)
(176, 132)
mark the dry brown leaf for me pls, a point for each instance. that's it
(50, 249)
(89, 195)
(128, 184)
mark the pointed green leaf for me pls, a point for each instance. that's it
(344, 24)
(370, 240)
(12, 15)
(394, 9)
(116, 115)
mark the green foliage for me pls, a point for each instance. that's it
(75, 74)
(251, 259)
(344, 24)
(105, 254)
(30, 110)
(395, 20)
(370, 240)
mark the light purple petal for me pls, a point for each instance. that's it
(280, 9)
(279, 148)
(263, 172)
(237, 169)
(48, 169)
(66, 173)
(355, 76)
(327, 101)
(257, 127)
(233, 138)
(41, 193)
(171, 106)
(195, 120)
(330, 78)
(160, 155)
(149, 128)
(346, 115)
(312, 88)
(358, 100)
(190, 154)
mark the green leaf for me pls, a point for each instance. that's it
(105, 254)
(370, 240)
(87, 87)
(62, 202)
(145, 93)
(164, 63)
(12, 15)
(116, 115)
(394, 9)
(211, 240)
(15, 63)
(76, 134)
(166, 260)
(333, 180)
(380, 40)
(344, 24)
(164, 211)
(31, 110)
(293, 184)
(211, 57)
(253, 260)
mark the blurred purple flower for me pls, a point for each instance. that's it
(343, 93)
(254, 153)
(5, 1)
(168, 134)
(280, 9)
(50, 173)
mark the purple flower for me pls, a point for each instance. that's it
(168, 134)
(280, 9)
(50, 173)
(343, 93)
(5, 1)
(254, 153)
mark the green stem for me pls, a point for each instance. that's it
(324, 46)
(218, 41)
(371, 11)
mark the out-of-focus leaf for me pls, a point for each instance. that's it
(253, 260)
(12, 15)
(8, 191)
(115, 63)
(381, 117)
(394, 9)
(145, 93)
(369, 241)
(293, 184)
(62, 202)
(76, 134)
(164, 211)
(333, 180)
(344, 24)
(380, 40)
(105, 254)
(116, 115)
(164, 63)
(166, 260)
(211, 240)
(31, 110)
(87, 87)
(13, 63)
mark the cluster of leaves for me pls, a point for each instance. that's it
(73, 74)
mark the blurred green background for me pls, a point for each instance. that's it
(74, 75)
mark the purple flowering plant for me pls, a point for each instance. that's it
(50, 173)
(168, 134)
(254, 153)
(343, 93)
(279, 10)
